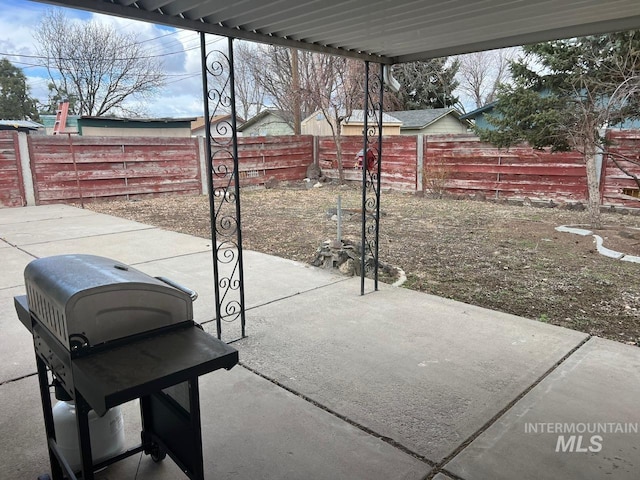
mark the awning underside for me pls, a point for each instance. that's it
(386, 31)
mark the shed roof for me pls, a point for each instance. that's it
(20, 125)
(423, 118)
(154, 121)
(380, 30)
(357, 117)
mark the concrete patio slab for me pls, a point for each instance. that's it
(442, 476)
(65, 228)
(422, 371)
(425, 371)
(262, 273)
(22, 438)
(16, 343)
(42, 212)
(582, 421)
(251, 429)
(129, 247)
(13, 263)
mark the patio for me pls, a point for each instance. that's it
(391, 385)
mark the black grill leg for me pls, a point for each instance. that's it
(43, 380)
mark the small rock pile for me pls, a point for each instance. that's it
(315, 177)
(345, 256)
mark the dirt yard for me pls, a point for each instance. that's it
(499, 256)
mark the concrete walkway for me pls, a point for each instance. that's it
(333, 385)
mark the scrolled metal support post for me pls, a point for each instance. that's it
(379, 166)
(365, 115)
(224, 187)
(371, 173)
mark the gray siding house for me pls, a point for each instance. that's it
(432, 121)
(266, 124)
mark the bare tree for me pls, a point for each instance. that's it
(299, 83)
(284, 75)
(250, 95)
(101, 68)
(480, 73)
(337, 90)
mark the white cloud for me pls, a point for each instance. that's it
(179, 51)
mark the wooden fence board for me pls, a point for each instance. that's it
(469, 166)
(113, 167)
(398, 160)
(11, 187)
(615, 182)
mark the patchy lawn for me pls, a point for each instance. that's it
(498, 256)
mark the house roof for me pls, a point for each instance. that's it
(416, 119)
(486, 108)
(380, 30)
(263, 114)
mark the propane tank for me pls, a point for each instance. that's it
(106, 433)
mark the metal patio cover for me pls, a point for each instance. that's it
(384, 31)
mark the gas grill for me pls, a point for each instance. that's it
(104, 334)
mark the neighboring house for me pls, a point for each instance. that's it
(478, 116)
(22, 126)
(134, 127)
(431, 121)
(71, 125)
(318, 125)
(220, 126)
(267, 123)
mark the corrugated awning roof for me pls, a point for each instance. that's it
(382, 30)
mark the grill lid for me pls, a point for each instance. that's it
(87, 300)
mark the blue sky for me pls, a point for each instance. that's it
(181, 96)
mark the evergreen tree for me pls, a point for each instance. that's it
(565, 93)
(55, 98)
(427, 84)
(15, 101)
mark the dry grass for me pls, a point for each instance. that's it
(503, 257)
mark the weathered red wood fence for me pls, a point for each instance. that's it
(11, 185)
(284, 158)
(399, 166)
(466, 166)
(63, 169)
(618, 188)
(82, 168)
(71, 169)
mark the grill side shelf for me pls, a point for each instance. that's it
(115, 376)
(22, 308)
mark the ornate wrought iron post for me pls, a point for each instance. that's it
(371, 171)
(224, 187)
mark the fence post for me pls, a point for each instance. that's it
(316, 150)
(419, 162)
(25, 169)
(202, 158)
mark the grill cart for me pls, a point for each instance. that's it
(104, 334)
